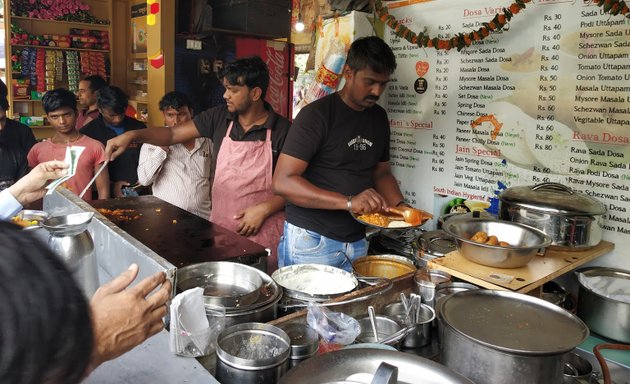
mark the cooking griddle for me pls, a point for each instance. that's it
(179, 236)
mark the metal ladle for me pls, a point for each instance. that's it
(411, 215)
(372, 315)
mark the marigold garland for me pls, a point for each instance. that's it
(614, 7)
(462, 40)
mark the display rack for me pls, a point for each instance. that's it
(86, 45)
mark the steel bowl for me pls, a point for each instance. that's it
(525, 242)
(231, 285)
(389, 266)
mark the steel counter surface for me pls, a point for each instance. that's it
(180, 237)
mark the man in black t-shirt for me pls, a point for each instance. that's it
(112, 103)
(336, 159)
(16, 140)
(248, 136)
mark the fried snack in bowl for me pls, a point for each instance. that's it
(524, 242)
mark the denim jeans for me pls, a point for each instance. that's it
(301, 246)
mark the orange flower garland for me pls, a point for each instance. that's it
(462, 40)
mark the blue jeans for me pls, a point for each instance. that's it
(301, 246)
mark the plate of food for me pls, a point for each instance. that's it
(29, 218)
(390, 220)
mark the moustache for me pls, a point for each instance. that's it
(374, 98)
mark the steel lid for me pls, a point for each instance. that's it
(553, 198)
(304, 339)
(512, 322)
(436, 243)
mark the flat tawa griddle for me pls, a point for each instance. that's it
(179, 236)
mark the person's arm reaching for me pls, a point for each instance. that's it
(252, 218)
(124, 317)
(151, 159)
(289, 183)
(162, 136)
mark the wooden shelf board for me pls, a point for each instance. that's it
(27, 100)
(538, 271)
(59, 48)
(73, 23)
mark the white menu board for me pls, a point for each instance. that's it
(546, 100)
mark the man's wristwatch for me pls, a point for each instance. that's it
(349, 203)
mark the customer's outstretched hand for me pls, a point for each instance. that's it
(125, 317)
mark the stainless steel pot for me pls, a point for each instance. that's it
(231, 285)
(598, 305)
(253, 353)
(425, 282)
(420, 336)
(385, 327)
(498, 337)
(572, 219)
(263, 309)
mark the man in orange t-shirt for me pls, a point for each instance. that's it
(60, 106)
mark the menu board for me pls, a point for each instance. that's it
(545, 100)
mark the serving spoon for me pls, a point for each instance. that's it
(411, 215)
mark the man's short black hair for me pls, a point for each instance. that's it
(4, 103)
(175, 100)
(45, 327)
(96, 82)
(59, 98)
(371, 52)
(249, 71)
(114, 98)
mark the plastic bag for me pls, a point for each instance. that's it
(333, 327)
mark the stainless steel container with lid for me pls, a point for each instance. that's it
(572, 219)
(252, 353)
(361, 365)
(304, 342)
(498, 337)
(604, 301)
(432, 244)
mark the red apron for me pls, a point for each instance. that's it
(243, 179)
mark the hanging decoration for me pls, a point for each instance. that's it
(157, 60)
(153, 10)
(462, 40)
(614, 7)
(458, 41)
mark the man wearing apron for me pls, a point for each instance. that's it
(247, 139)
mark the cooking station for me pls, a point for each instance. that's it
(165, 228)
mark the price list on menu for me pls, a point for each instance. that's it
(545, 99)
